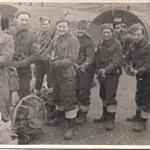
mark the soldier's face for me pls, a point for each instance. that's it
(124, 30)
(81, 31)
(23, 21)
(138, 36)
(62, 28)
(107, 34)
(118, 28)
(45, 25)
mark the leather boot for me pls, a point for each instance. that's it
(37, 92)
(70, 133)
(135, 117)
(82, 118)
(109, 124)
(140, 125)
(60, 116)
(103, 117)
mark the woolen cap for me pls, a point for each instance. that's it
(107, 26)
(83, 24)
(22, 12)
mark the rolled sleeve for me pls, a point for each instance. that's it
(8, 48)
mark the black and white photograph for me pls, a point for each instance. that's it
(75, 74)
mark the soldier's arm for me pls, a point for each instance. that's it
(90, 54)
(146, 66)
(7, 51)
(97, 59)
(72, 54)
(116, 60)
(34, 52)
(35, 43)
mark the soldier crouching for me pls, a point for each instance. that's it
(64, 52)
(138, 65)
(108, 61)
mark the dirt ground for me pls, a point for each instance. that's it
(95, 134)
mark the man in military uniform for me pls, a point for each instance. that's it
(84, 70)
(64, 52)
(6, 55)
(25, 47)
(108, 62)
(138, 65)
(42, 65)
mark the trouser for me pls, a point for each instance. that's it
(24, 75)
(5, 97)
(83, 87)
(65, 94)
(108, 90)
(42, 68)
(143, 93)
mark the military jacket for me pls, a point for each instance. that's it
(65, 50)
(44, 41)
(139, 55)
(109, 55)
(6, 46)
(25, 43)
(86, 52)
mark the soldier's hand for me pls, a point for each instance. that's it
(102, 72)
(55, 64)
(129, 70)
(133, 72)
(16, 64)
(76, 66)
(82, 68)
(20, 64)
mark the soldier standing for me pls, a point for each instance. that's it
(85, 70)
(6, 55)
(42, 65)
(64, 52)
(138, 65)
(108, 61)
(25, 46)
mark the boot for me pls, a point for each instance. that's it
(110, 121)
(82, 118)
(103, 117)
(140, 125)
(70, 129)
(135, 117)
(37, 92)
(60, 116)
(23, 139)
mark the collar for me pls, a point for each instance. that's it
(63, 36)
(107, 42)
(140, 43)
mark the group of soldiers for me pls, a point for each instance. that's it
(70, 62)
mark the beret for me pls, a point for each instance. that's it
(136, 27)
(123, 25)
(62, 20)
(22, 12)
(44, 18)
(83, 24)
(107, 26)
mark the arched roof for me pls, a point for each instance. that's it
(8, 10)
(122, 15)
